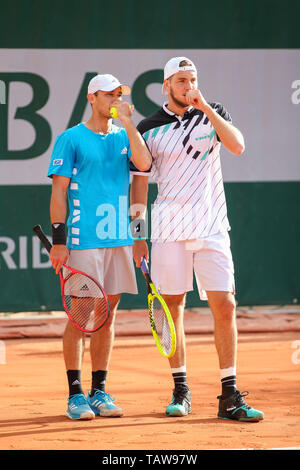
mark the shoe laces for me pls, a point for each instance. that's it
(105, 396)
(239, 398)
(179, 394)
(78, 399)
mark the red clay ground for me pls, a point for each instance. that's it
(33, 393)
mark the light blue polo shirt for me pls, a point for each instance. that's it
(98, 165)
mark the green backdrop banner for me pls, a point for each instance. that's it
(157, 24)
(264, 237)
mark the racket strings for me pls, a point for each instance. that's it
(162, 326)
(85, 301)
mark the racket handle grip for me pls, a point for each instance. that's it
(144, 266)
(39, 232)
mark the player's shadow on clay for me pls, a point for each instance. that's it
(43, 425)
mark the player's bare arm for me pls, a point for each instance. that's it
(229, 135)
(58, 212)
(140, 154)
(138, 209)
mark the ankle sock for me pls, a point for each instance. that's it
(98, 381)
(179, 376)
(74, 381)
(228, 381)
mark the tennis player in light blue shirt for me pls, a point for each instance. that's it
(90, 184)
(98, 168)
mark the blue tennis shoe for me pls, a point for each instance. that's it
(78, 407)
(181, 402)
(102, 404)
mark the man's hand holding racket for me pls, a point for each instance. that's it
(59, 255)
(140, 251)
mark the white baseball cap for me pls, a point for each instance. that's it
(177, 64)
(107, 82)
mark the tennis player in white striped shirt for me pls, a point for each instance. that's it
(190, 225)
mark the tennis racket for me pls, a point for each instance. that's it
(84, 299)
(161, 320)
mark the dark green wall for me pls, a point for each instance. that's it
(139, 24)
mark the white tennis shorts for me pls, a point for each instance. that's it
(112, 267)
(174, 263)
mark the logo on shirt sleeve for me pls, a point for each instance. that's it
(58, 161)
(124, 151)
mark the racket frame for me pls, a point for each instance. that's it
(152, 294)
(46, 243)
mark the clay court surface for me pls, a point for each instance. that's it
(34, 387)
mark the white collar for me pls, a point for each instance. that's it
(171, 113)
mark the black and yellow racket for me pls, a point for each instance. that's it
(161, 320)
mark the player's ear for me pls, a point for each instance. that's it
(167, 84)
(90, 98)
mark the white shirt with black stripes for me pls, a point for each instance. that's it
(186, 166)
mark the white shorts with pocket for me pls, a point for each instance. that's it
(112, 267)
(174, 263)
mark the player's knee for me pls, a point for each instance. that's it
(72, 332)
(109, 324)
(175, 300)
(227, 310)
(222, 306)
(176, 304)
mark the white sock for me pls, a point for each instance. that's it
(178, 369)
(228, 372)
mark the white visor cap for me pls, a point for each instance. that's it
(177, 64)
(107, 82)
